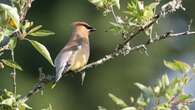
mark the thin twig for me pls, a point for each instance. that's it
(13, 74)
(121, 50)
(140, 46)
(40, 85)
(25, 9)
(114, 15)
(37, 88)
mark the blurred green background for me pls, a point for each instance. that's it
(116, 76)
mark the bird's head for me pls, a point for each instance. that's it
(83, 26)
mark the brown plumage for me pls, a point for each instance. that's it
(76, 52)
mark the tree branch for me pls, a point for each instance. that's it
(122, 49)
(46, 80)
(25, 9)
(13, 74)
(135, 48)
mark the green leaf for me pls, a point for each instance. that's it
(117, 100)
(27, 25)
(42, 33)
(1, 36)
(183, 107)
(157, 90)
(101, 108)
(184, 97)
(148, 92)
(120, 26)
(48, 108)
(42, 50)
(12, 64)
(35, 29)
(141, 101)
(8, 101)
(97, 3)
(153, 5)
(129, 108)
(12, 12)
(193, 69)
(12, 43)
(1, 53)
(117, 3)
(23, 106)
(164, 106)
(177, 66)
(165, 80)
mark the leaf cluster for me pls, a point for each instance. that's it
(9, 101)
(166, 94)
(13, 29)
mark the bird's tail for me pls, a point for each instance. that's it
(55, 80)
(54, 85)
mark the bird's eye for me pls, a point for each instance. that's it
(91, 29)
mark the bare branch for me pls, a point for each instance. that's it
(141, 46)
(43, 81)
(25, 9)
(13, 74)
(114, 15)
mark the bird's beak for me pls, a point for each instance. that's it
(92, 29)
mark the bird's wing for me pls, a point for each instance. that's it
(64, 59)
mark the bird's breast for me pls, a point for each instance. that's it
(81, 58)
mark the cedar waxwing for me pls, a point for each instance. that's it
(76, 52)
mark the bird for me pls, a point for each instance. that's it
(76, 52)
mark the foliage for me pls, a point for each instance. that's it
(15, 28)
(166, 94)
(136, 18)
(8, 101)
(12, 26)
(136, 14)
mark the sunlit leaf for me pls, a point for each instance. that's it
(35, 29)
(116, 25)
(1, 37)
(178, 66)
(42, 33)
(193, 69)
(165, 80)
(157, 90)
(148, 92)
(184, 97)
(153, 5)
(48, 108)
(129, 108)
(141, 101)
(29, 24)
(12, 13)
(117, 100)
(97, 3)
(12, 64)
(42, 50)
(23, 106)
(1, 53)
(183, 107)
(117, 3)
(12, 43)
(101, 108)
(8, 101)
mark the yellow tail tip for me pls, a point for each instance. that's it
(53, 86)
